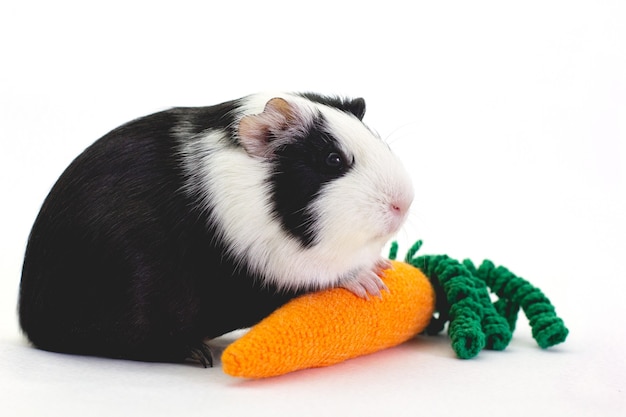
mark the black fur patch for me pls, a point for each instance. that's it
(120, 263)
(301, 169)
(355, 106)
(200, 119)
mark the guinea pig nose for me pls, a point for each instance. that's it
(398, 209)
(400, 205)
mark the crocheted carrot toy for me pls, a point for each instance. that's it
(331, 326)
(425, 293)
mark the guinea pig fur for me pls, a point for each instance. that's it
(192, 222)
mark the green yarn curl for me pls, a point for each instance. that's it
(463, 301)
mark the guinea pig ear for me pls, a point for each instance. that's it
(357, 107)
(257, 132)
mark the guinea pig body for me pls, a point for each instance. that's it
(192, 222)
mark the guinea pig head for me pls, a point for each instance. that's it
(336, 189)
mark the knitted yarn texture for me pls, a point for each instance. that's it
(331, 326)
(464, 302)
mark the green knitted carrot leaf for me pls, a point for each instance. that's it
(464, 303)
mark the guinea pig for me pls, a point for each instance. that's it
(186, 224)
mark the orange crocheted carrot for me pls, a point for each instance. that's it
(328, 327)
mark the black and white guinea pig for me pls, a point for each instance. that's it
(189, 223)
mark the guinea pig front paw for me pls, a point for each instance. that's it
(368, 282)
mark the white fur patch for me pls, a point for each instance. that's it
(353, 213)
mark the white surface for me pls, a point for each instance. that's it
(512, 120)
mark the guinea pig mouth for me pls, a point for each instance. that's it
(396, 225)
(391, 228)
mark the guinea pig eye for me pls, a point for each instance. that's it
(334, 160)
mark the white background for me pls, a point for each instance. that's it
(511, 118)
